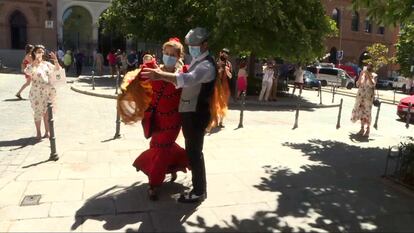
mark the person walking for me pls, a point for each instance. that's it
(298, 79)
(111, 57)
(197, 89)
(364, 100)
(132, 60)
(242, 79)
(26, 61)
(67, 60)
(41, 92)
(267, 81)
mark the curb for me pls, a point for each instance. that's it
(107, 96)
(233, 104)
(385, 101)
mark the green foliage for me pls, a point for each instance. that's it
(378, 56)
(388, 12)
(405, 50)
(293, 30)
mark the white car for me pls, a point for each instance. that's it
(333, 76)
(400, 83)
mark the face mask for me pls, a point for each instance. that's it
(169, 61)
(194, 51)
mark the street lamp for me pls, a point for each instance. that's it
(49, 10)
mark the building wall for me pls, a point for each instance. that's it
(35, 12)
(354, 43)
(94, 7)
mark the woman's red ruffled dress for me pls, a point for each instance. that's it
(164, 155)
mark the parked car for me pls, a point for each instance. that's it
(332, 76)
(349, 70)
(310, 79)
(384, 83)
(400, 83)
(402, 107)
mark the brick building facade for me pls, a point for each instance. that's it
(357, 32)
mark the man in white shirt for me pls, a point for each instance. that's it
(197, 88)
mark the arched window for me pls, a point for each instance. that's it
(368, 25)
(355, 21)
(18, 30)
(77, 29)
(336, 16)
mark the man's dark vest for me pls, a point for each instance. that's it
(197, 98)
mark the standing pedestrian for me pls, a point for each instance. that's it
(242, 78)
(273, 94)
(267, 81)
(222, 88)
(197, 89)
(79, 58)
(98, 63)
(41, 92)
(364, 100)
(132, 60)
(26, 61)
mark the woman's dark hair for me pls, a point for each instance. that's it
(28, 48)
(35, 48)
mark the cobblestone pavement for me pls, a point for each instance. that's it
(263, 177)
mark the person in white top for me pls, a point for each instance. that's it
(298, 80)
(267, 82)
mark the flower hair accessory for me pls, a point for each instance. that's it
(176, 39)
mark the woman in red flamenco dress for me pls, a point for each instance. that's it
(164, 155)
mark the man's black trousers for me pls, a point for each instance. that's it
(194, 125)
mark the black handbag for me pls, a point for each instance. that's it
(376, 101)
(149, 115)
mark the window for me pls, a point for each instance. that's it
(355, 21)
(381, 30)
(368, 25)
(18, 26)
(336, 16)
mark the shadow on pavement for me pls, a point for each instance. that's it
(284, 103)
(341, 192)
(119, 206)
(14, 100)
(19, 143)
(38, 163)
(354, 137)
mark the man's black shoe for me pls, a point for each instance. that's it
(190, 197)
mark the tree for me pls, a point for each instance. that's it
(405, 50)
(388, 12)
(378, 56)
(293, 30)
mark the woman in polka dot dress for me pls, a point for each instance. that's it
(41, 91)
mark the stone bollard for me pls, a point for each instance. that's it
(243, 103)
(295, 126)
(338, 122)
(53, 154)
(320, 93)
(117, 125)
(93, 80)
(117, 81)
(393, 101)
(408, 117)
(377, 116)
